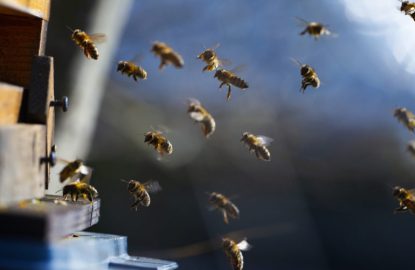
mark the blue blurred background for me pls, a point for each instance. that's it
(324, 202)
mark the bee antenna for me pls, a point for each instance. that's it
(70, 29)
(123, 180)
(296, 61)
(58, 191)
(301, 19)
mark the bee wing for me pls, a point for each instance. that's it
(244, 245)
(193, 101)
(85, 169)
(266, 141)
(238, 68)
(224, 62)
(98, 37)
(296, 62)
(412, 192)
(302, 21)
(197, 116)
(152, 186)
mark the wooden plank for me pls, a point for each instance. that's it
(47, 221)
(10, 103)
(22, 176)
(21, 39)
(33, 8)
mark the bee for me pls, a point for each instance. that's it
(406, 199)
(74, 170)
(257, 144)
(160, 142)
(87, 42)
(314, 29)
(198, 113)
(408, 8)
(406, 117)
(131, 69)
(79, 189)
(141, 192)
(167, 55)
(211, 59)
(229, 78)
(411, 147)
(234, 250)
(221, 202)
(309, 75)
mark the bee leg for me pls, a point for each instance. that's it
(401, 208)
(205, 68)
(162, 64)
(304, 32)
(222, 84)
(89, 196)
(225, 216)
(228, 95)
(86, 53)
(135, 77)
(74, 197)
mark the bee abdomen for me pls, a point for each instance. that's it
(237, 260)
(238, 82)
(232, 210)
(91, 50)
(263, 153)
(208, 126)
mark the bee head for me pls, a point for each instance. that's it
(399, 192)
(149, 136)
(131, 185)
(76, 32)
(212, 196)
(227, 243)
(120, 65)
(158, 47)
(305, 69)
(244, 136)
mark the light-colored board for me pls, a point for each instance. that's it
(21, 39)
(10, 103)
(33, 8)
(22, 175)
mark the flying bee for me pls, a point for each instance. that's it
(234, 250)
(211, 59)
(167, 55)
(74, 170)
(198, 113)
(406, 117)
(159, 141)
(257, 144)
(309, 75)
(408, 8)
(406, 199)
(87, 42)
(141, 192)
(79, 189)
(229, 78)
(224, 204)
(411, 147)
(131, 69)
(314, 29)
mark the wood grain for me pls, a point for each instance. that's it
(33, 8)
(10, 103)
(22, 176)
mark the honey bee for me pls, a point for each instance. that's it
(167, 55)
(229, 78)
(131, 69)
(211, 59)
(79, 189)
(309, 75)
(411, 147)
(160, 142)
(406, 199)
(314, 29)
(406, 117)
(258, 144)
(141, 192)
(408, 8)
(74, 170)
(234, 250)
(198, 113)
(87, 42)
(221, 202)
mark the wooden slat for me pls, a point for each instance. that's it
(22, 176)
(33, 8)
(21, 39)
(46, 221)
(10, 103)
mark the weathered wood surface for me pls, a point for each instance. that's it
(22, 176)
(32, 8)
(47, 221)
(10, 103)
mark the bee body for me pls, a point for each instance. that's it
(314, 29)
(406, 199)
(234, 252)
(83, 40)
(141, 192)
(160, 142)
(211, 59)
(167, 55)
(229, 78)
(70, 170)
(258, 145)
(406, 117)
(199, 114)
(79, 189)
(131, 69)
(408, 8)
(221, 202)
(310, 77)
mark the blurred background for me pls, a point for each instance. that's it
(323, 202)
